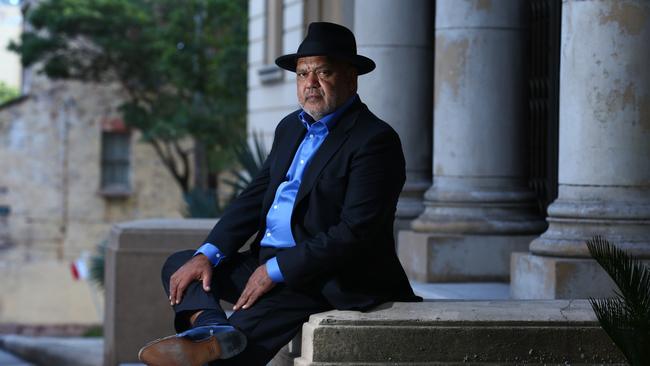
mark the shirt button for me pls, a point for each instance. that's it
(311, 136)
(218, 255)
(268, 234)
(275, 207)
(302, 161)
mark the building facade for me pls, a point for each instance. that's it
(70, 170)
(524, 126)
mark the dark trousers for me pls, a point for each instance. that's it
(269, 324)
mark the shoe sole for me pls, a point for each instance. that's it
(178, 351)
(231, 343)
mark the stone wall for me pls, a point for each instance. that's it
(50, 158)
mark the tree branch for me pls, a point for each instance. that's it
(184, 156)
(170, 163)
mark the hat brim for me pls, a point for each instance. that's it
(362, 63)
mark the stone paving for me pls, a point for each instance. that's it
(54, 351)
(7, 359)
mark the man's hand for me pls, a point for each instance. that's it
(198, 268)
(258, 284)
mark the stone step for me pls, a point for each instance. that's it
(503, 332)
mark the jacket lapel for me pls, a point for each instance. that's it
(287, 145)
(331, 145)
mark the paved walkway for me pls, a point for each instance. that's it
(7, 359)
(54, 351)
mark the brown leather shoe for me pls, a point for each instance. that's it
(195, 347)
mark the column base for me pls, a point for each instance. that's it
(540, 277)
(619, 214)
(410, 205)
(440, 257)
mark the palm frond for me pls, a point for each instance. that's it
(631, 276)
(237, 185)
(202, 203)
(260, 149)
(241, 177)
(626, 317)
(249, 161)
(97, 264)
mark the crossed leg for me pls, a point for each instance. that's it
(268, 325)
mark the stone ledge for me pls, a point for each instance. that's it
(460, 332)
(137, 310)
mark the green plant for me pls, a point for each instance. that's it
(181, 67)
(7, 92)
(250, 161)
(97, 264)
(205, 203)
(93, 331)
(625, 317)
(202, 203)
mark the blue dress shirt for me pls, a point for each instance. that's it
(278, 220)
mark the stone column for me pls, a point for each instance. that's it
(604, 165)
(398, 36)
(479, 208)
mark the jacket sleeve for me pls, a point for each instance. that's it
(376, 177)
(241, 218)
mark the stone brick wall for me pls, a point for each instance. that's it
(50, 159)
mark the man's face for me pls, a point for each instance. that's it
(324, 84)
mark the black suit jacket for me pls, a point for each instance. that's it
(343, 216)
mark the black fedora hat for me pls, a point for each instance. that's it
(328, 39)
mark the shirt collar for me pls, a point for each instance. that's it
(330, 119)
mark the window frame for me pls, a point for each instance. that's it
(110, 163)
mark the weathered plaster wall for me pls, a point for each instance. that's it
(50, 158)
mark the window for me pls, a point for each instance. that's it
(273, 31)
(116, 151)
(274, 21)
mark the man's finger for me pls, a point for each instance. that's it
(251, 300)
(242, 299)
(237, 304)
(180, 290)
(206, 278)
(172, 291)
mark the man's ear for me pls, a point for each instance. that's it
(353, 82)
(352, 75)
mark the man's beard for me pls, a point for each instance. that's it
(328, 107)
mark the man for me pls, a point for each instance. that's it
(322, 209)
